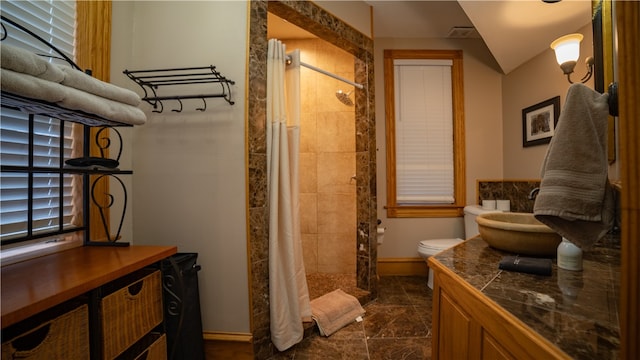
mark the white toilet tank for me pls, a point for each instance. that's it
(470, 224)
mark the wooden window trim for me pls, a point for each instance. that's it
(93, 51)
(395, 210)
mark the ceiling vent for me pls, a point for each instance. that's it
(462, 32)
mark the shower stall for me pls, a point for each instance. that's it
(307, 15)
(327, 166)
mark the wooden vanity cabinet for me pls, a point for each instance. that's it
(468, 325)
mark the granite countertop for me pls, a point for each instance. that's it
(575, 310)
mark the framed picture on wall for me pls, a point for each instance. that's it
(539, 122)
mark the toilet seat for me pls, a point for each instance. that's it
(427, 248)
(439, 244)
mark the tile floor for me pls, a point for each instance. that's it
(397, 325)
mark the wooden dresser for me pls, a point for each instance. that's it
(85, 303)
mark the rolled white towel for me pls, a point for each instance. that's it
(23, 61)
(30, 86)
(81, 81)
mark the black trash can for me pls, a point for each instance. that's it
(183, 322)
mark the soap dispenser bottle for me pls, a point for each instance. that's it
(569, 256)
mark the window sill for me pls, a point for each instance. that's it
(424, 211)
(40, 247)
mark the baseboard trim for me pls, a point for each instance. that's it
(228, 345)
(227, 336)
(402, 267)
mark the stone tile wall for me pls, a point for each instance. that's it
(516, 191)
(327, 160)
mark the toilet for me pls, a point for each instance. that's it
(427, 248)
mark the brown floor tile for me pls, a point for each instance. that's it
(397, 325)
(320, 347)
(389, 321)
(395, 349)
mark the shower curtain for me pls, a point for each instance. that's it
(288, 292)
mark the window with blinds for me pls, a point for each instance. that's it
(425, 133)
(33, 201)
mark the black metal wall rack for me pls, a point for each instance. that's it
(90, 177)
(151, 80)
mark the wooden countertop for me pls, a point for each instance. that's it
(32, 286)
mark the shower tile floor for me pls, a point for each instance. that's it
(397, 325)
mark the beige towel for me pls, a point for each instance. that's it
(81, 81)
(108, 109)
(31, 86)
(575, 198)
(69, 98)
(23, 61)
(335, 310)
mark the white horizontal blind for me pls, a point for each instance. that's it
(424, 132)
(49, 208)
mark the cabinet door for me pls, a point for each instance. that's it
(492, 350)
(455, 329)
(467, 325)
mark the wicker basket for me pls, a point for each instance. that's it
(157, 350)
(129, 313)
(64, 337)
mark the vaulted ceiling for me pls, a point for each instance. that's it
(513, 30)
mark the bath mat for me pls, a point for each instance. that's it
(335, 310)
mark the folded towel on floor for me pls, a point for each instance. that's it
(575, 198)
(112, 110)
(81, 81)
(30, 86)
(24, 61)
(335, 310)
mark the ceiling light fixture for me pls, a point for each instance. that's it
(567, 49)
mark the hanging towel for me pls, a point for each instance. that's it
(335, 310)
(575, 198)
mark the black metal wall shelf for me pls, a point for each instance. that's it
(151, 80)
(90, 177)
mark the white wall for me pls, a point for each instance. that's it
(544, 79)
(355, 13)
(483, 129)
(188, 187)
(535, 81)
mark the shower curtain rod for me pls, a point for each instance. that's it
(359, 86)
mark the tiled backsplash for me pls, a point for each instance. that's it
(516, 191)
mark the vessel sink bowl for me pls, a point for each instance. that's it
(518, 233)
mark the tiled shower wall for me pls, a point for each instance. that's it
(327, 160)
